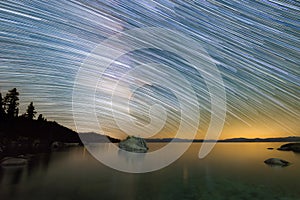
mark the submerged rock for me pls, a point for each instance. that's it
(11, 161)
(36, 144)
(276, 162)
(295, 147)
(134, 144)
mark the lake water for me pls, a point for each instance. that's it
(230, 171)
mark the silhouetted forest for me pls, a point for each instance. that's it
(25, 131)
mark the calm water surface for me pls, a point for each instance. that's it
(230, 171)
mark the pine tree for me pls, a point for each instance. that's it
(41, 118)
(2, 111)
(11, 102)
(30, 113)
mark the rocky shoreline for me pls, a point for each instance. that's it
(294, 147)
(22, 146)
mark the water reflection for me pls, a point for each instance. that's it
(14, 174)
(11, 174)
(231, 170)
(130, 157)
(38, 163)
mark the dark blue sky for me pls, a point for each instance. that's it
(255, 45)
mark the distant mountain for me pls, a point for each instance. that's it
(167, 140)
(278, 139)
(91, 137)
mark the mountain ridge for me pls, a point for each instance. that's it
(96, 137)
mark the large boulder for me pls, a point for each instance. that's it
(134, 144)
(276, 162)
(295, 147)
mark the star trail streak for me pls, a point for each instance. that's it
(255, 45)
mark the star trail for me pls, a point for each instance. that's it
(254, 44)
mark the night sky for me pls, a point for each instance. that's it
(255, 46)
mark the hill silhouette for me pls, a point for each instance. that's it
(22, 128)
(92, 137)
(24, 134)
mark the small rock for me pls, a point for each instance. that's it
(56, 145)
(36, 144)
(270, 148)
(277, 162)
(11, 161)
(134, 144)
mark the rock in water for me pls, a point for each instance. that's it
(134, 144)
(277, 162)
(10, 161)
(56, 145)
(295, 147)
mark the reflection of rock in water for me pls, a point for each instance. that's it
(38, 162)
(134, 144)
(11, 174)
(17, 176)
(23, 165)
(131, 157)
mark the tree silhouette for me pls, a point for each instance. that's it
(30, 113)
(41, 118)
(19, 133)
(2, 111)
(11, 103)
